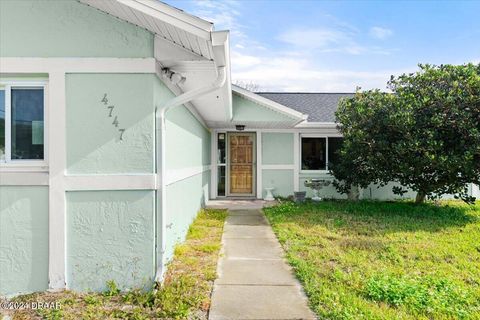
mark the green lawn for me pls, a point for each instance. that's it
(185, 293)
(384, 260)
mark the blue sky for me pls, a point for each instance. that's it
(335, 46)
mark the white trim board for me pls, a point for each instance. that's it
(278, 166)
(321, 131)
(77, 65)
(259, 160)
(319, 125)
(110, 182)
(56, 195)
(269, 103)
(296, 161)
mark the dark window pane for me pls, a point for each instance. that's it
(334, 146)
(27, 124)
(221, 181)
(2, 125)
(313, 154)
(221, 148)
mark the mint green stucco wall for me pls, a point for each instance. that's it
(110, 236)
(246, 110)
(187, 147)
(93, 142)
(188, 142)
(277, 148)
(23, 239)
(67, 28)
(281, 180)
(184, 199)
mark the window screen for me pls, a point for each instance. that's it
(334, 146)
(27, 123)
(314, 154)
(2, 125)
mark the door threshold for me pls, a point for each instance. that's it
(240, 198)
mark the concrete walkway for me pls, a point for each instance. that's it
(254, 280)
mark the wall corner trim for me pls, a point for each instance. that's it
(56, 197)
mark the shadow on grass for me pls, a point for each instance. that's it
(375, 217)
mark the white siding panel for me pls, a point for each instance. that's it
(204, 50)
(173, 34)
(193, 43)
(184, 39)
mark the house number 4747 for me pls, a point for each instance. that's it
(111, 114)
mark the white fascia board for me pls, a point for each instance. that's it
(221, 54)
(170, 15)
(319, 125)
(269, 103)
(178, 14)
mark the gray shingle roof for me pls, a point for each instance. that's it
(320, 107)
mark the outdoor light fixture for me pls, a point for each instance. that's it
(240, 127)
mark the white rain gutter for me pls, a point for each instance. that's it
(175, 102)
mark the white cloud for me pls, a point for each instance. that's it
(243, 60)
(224, 14)
(281, 73)
(333, 39)
(314, 38)
(380, 33)
(292, 67)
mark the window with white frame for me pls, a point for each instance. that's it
(318, 152)
(221, 163)
(22, 112)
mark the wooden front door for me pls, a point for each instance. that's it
(241, 158)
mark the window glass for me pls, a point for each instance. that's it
(2, 125)
(221, 148)
(314, 154)
(334, 146)
(221, 181)
(27, 123)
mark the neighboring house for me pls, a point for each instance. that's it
(118, 121)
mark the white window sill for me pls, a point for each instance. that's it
(24, 166)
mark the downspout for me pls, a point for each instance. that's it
(175, 102)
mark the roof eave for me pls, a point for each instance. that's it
(270, 104)
(319, 125)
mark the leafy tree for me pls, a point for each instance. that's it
(424, 135)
